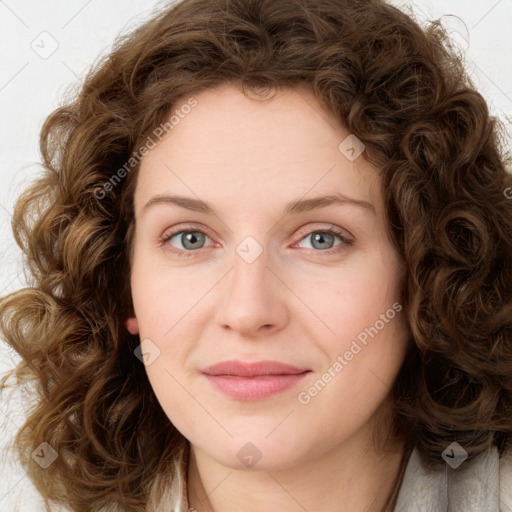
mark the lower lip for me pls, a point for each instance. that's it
(255, 388)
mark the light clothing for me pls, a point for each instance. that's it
(484, 485)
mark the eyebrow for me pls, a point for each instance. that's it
(294, 207)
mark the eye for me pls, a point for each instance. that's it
(185, 242)
(323, 240)
(188, 240)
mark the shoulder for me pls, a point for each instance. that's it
(482, 485)
(506, 481)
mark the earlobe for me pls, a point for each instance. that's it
(132, 325)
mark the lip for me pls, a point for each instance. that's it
(253, 381)
(236, 368)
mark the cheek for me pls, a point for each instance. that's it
(362, 363)
(163, 295)
(351, 299)
(369, 334)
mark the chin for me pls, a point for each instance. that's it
(256, 453)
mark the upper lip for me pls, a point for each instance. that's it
(240, 369)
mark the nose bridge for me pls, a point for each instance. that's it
(249, 265)
(251, 297)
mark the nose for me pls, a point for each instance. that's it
(252, 300)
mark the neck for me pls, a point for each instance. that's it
(351, 477)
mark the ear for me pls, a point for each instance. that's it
(132, 325)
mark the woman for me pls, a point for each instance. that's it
(272, 260)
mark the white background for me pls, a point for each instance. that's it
(32, 86)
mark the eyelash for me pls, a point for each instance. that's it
(193, 229)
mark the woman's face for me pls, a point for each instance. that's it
(241, 268)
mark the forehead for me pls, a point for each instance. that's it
(274, 148)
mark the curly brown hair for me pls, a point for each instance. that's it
(402, 90)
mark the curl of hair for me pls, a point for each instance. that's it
(401, 89)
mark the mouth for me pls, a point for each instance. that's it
(253, 381)
(236, 368)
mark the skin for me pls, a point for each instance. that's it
(294, 303)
